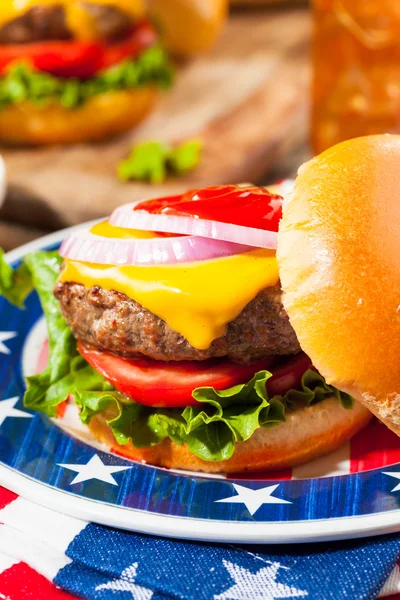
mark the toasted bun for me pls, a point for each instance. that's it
(100, 117)
(338, 253)
(306, 434)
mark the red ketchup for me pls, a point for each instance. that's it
(250, 207)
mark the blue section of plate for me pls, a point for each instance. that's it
(35, 447)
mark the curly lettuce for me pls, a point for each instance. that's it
(23, 82)
(15, 285)
(153, 161)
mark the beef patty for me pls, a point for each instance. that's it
(37, 24)
(109, 320)
(42, 23)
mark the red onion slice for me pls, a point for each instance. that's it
(126, 217)
(87, 247)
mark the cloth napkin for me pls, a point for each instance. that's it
(45, 555)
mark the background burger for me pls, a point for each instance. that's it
(176, 346)
(76, 70)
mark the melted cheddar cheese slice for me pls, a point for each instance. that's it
(196, 299)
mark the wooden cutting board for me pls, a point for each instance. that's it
(247, 99)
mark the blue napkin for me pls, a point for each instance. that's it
(110, 564)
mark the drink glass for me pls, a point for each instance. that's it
(356, 58)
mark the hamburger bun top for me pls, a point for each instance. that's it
(339, 259)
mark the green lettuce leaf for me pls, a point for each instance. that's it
(146, 162)
(229, 416)
(185, 157)
(210, 430)
(23, 82)
(314, 389)
(66, 369)
(16, 285)
(153, 161)
(128, 420)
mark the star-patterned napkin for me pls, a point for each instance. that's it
(45, 555)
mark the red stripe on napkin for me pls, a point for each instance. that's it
(20, 582)
(6, 497)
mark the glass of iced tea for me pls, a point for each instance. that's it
(356, 55)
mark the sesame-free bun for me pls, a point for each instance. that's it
(100, 117)
(339, 260)
(306, 434)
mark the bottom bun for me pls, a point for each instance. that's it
(98, 118)
(306, 434)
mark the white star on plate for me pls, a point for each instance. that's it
(126, 583)
(253, 499)
(396, 476)
(4, 337)
(7, 410)
(94, 469)
(257, 586)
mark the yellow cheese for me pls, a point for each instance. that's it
(78, 19)
(197, 300)
(104, 229)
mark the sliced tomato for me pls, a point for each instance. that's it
(64, 59)
(249, 207)
(163, 384)
(76, 58)
(142, 37)
(288, 376)
(61, 408)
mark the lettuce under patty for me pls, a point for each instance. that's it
(210, 430)
(23, 82)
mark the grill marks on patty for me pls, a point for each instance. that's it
(42, 23)
(111, 321)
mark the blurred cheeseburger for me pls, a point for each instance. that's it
(73, 71)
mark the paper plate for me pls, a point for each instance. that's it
(352, 493)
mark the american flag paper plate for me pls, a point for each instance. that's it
(352, 493)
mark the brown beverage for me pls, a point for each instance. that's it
(356, 54)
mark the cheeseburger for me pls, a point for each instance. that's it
(76, 70)
(226, 330)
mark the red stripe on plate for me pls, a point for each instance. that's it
(374, 447)
(43, 357)
(265, 476)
